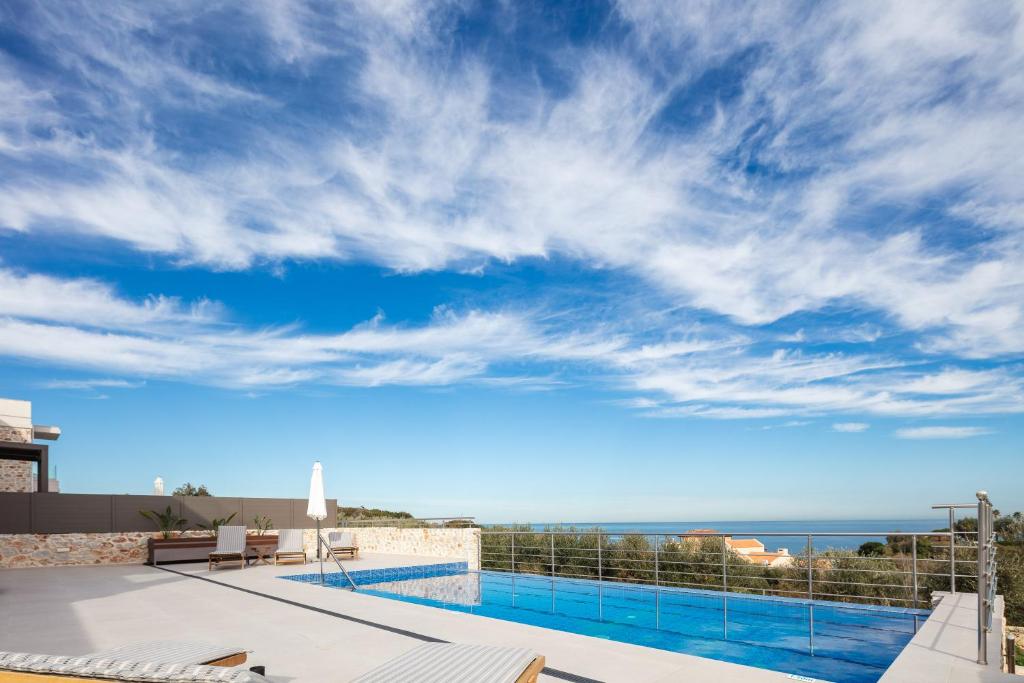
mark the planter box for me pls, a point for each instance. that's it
(198, 548)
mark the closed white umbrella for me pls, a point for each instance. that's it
(317, 508)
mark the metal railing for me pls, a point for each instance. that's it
(712, 561)
(986, 573)
(321, 545)
(409, 522)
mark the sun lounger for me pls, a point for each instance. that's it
(290, 547)
(429, 663)
(20, 667)
(444, 662)
(230, 546)
(174, 652)
(341, 542)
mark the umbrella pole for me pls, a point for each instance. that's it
(318, 553)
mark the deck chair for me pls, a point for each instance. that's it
(20, 667)
(290, 547)
(444, 662)
(174, 652)
(230, 546)
(341, 542)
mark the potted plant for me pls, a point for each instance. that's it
(262, 524)
(217, 523)
(167, 522)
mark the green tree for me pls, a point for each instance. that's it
(187, 489)
(871, 549)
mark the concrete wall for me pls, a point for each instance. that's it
(16, 426)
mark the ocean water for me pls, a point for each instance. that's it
(794, 537)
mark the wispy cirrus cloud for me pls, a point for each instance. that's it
(814, 179)
(731, 200)
(850, 427)
(941, 432)
(693, 373)
(92, 384)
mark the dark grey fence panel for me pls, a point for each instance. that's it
(62, 513)
(16, 513)
(204, 509)
(126, 511)
(278, 510)
(301, 521)
(57, 513)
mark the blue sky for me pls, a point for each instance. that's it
(638, 261)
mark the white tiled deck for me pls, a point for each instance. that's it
(74, 610)
(946, 647)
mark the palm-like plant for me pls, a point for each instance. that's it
(167, 521)
(217, 523)
(262, 524)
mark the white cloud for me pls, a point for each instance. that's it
(917, 100)
(941, 432)
(850, 427)
(690, 372)
(90, 384)
(90, 302)
(441, 161)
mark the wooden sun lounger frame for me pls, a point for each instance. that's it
(533, 671)
(289, 556)
(27, 677)
(350, 550)
(219, 558)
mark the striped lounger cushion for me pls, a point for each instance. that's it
(122, 670)
(451, 663)
(167, 652)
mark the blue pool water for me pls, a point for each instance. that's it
(848, 643)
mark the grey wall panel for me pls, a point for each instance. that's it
(279, 510)
(15, 513)
(59, 513)
(126, 511)
(204, 509)
(63, 513)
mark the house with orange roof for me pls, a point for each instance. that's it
(750, 549)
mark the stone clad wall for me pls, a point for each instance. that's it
(460, 544)
(57, 550)
(15, 426)
(54, 550)
(16, 476)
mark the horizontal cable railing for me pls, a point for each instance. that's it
(409, 522)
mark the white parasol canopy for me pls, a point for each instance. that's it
(317, 508)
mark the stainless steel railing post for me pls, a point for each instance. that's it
(513, 552)
(600, 572)
(982, 580)
(952, 550)
(552, 556)
(656, 542)
(810, 594)
(913, 566)
(810, 568)
(725, 588)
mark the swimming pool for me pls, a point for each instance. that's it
(826, 641)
